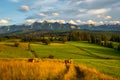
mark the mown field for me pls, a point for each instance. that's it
(105, 60)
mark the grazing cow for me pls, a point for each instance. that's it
(68, 61)
(31, 60)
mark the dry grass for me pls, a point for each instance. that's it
(91, 74)
(70, 73)
(47, 70)
(21, 70)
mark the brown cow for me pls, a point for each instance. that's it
(31, 60)
(68, 61)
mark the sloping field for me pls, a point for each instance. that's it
(104, 59)
(97, 51)
(110, 67)
(48, 70)
(7, 50)
(61, 51)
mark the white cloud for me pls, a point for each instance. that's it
(80, 22)
(40, 21)
(3, 21)
(30, 21)
(62, 21)
(94, 22)
(72, 22)
(53, 21)
(114, 22)
(42, 14)
(77, 22)
(100, 23)
(108, 17)
(98, 11)
(73, 27)
(55, 14)
(25, 7)
(91, 22)
(83, 9)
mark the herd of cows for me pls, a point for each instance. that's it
(67, 61)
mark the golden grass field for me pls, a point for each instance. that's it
(47, 69)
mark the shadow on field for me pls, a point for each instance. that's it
(11, 45)
(65, 72)
(34, 53)
(79, 74)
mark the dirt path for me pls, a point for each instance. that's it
(73, 72)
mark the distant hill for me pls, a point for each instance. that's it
(37, 26)
(104, 27)
(56, 26)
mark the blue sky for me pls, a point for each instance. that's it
(72, 11)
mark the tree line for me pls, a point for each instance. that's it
(101, 38)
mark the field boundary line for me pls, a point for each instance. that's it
(94, 55)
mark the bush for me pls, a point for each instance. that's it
(16, 44)
(106, 43)
(51, 56)
(64, 39)
(46, 41)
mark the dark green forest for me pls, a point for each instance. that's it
(95, 37)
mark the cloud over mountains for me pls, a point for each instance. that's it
(67, 10)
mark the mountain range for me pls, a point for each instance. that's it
(57, 26)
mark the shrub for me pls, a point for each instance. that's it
(46, 41)
(16, 44)
(64, 39)
(51, 56)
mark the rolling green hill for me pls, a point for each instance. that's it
(104, 59)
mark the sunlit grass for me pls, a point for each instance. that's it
(17, 70)
(47, 69)
(7, 50)
(60, 51)
(110, 67)
(79, 54)
(97, 50)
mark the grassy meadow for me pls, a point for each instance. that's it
(7, 50)
(103, 61)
